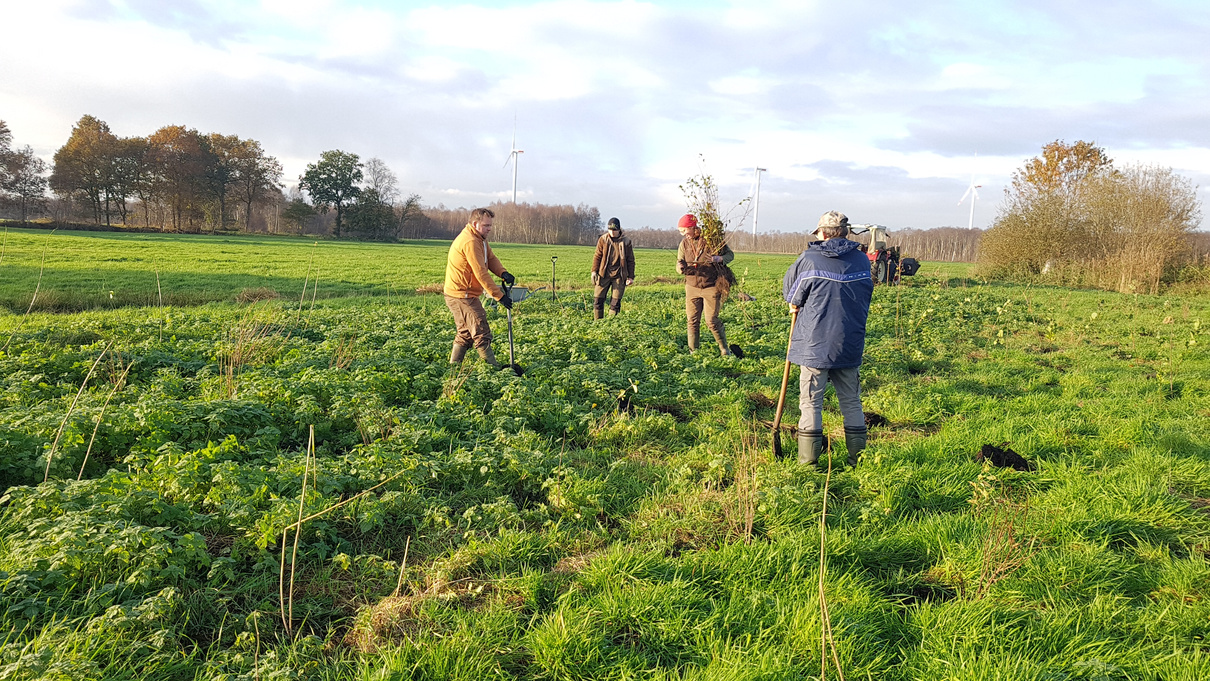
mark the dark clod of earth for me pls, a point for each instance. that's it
(737, 351)
(517, 369)
(873, 420)
(1003, 458)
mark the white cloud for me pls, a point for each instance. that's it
(617, 99)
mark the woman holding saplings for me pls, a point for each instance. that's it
(612, 268)
(704, 265)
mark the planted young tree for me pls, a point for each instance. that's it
(702, 200)
(332, 182)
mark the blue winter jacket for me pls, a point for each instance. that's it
(831, 285)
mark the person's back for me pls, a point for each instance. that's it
(832, 280)
(829, 290)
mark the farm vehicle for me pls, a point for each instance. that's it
(886, 265)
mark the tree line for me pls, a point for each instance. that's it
(1073, 217)
(1070, 216)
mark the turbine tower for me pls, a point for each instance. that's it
(756, 207)
(512, 158)
(973, 192)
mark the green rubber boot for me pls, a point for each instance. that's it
(810, 445)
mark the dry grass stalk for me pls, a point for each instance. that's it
(342, 356)
(37, 288)
(826, 640)
(116, 386)
(1003, 553)
(302, 504)
(287, 600)
(256, 651)
(742, 511)
(350, 500)
(50, 457)
(303, 297)
(314, 292)
(402, 568)
(159, 292)
(249, 341)
(454, 383)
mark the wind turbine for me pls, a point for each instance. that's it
(973, 192)
(756, 212)
(512, 157)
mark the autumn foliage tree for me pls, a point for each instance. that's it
(1072, 217)
(175, 178)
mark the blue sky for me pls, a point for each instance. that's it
(883, 110)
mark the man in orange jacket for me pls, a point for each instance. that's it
(468, 273)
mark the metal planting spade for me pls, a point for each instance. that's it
(781, 397)
(517, 294)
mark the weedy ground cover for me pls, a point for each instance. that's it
(614, 513)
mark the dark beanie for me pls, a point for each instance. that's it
(615, 222)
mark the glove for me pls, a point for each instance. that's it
(596, 278)
(508, 278)
(629, 282)
(506, 302)
(716, 258)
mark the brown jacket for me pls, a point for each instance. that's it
(470, 266)
(700, 271)
(607, 254)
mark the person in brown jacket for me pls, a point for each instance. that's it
(468, 274)
(698, 263)
(612, 268)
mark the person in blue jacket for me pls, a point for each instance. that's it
(830, 286)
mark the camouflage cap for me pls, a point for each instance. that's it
(833, 218)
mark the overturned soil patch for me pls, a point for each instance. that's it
(1004, 458)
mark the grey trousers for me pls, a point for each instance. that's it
(811, 385)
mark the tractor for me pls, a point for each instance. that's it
(885, 264)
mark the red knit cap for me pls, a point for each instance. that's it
(687, 221)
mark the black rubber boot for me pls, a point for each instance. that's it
(810, 446)
(854, 441)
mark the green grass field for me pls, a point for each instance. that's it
(87, 270)
(613, 514)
